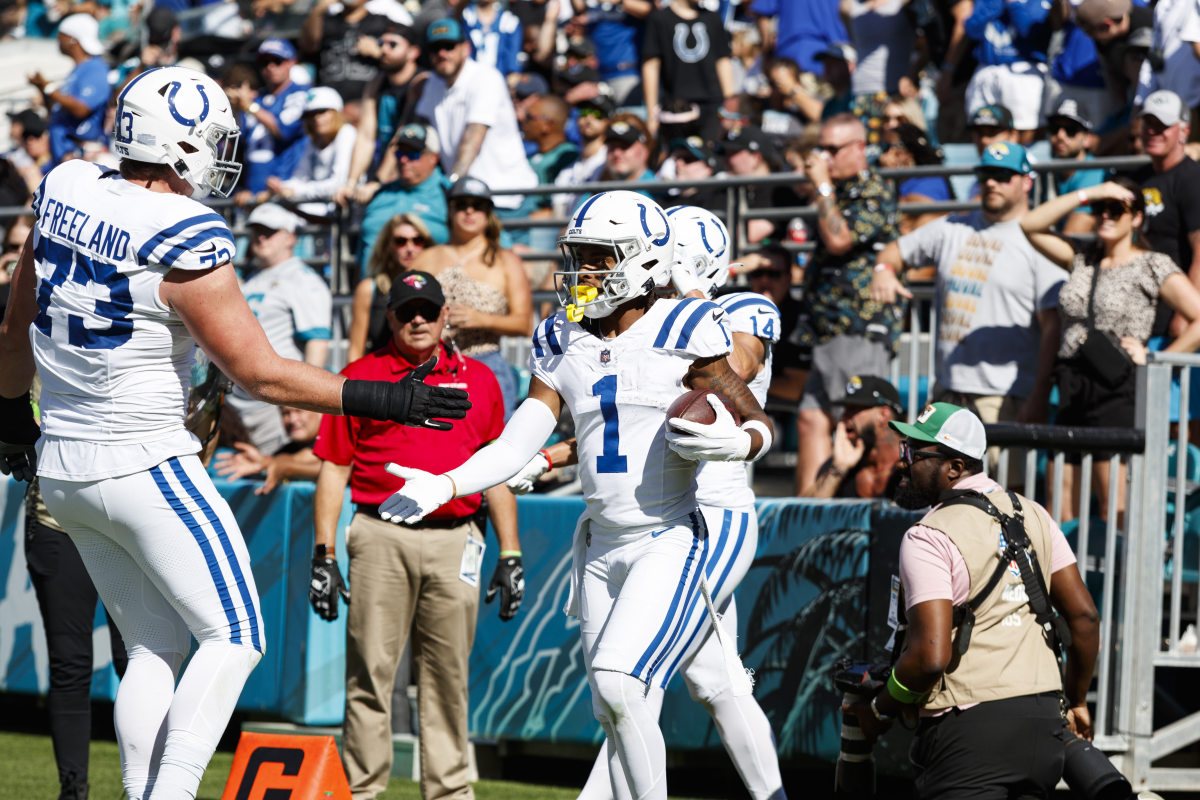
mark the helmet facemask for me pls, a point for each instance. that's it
(583, 299)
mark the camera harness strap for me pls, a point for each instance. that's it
(1019, 550)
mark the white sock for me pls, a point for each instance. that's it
(747, 737)
(633, 732)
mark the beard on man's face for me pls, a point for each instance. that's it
(910, 497)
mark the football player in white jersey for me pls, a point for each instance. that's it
(713, 673)
(123, 273)
(617, 357)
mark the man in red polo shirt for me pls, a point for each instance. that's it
(424, 577)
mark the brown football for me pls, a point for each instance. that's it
(694, 406)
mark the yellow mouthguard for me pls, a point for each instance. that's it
(583, 296)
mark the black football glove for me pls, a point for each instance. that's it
(509, 581)
(18, 432)
(409, 401)
(325, 586)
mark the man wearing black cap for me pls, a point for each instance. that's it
(422, 578)
(1070, 132)
(386, 104)
(865, 460)
(694, 160)
(749, 152)
(629, 148)
(30, 155)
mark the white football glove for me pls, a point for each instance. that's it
(422, 493)
(720, 440)
(523, 481)
(683, 277)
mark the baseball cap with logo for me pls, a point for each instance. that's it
(1069, 109)
(84, 29)
(948, 425)
(696, 147)
(1165, 106)
(416, 136)
(444, 30)
(469, 187)
(993, 116)
(869, 391)
(415, 285)
(323, 98)
(1005, 155)
(277, 48)
(274, 217)
(624, 133)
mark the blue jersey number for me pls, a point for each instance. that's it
(70, 265)
(768, 330)
(609, 460)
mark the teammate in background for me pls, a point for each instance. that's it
(701, 267)
(615, 357)
(123, 273)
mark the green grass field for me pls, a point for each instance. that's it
(29, 774)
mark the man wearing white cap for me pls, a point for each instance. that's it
(294, 307)
(325, 161)
(77, 104)
(976, 666)
(1171, 189)
(1171, 63)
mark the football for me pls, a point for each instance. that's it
(694, 406)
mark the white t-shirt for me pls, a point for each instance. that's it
(990, 285)
(585, 170)
(322, 171)
(618, 391)
(479, 95)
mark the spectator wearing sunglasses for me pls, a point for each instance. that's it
(487, 289)
(1133, 280)
(865, 460)
(405, 237)
(997, 298)
(271, 122)
(409, 182)
(693, 159)
(1070, 134)
(592, 118)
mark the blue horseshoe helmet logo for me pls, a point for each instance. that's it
(666, 237)
(182, 120)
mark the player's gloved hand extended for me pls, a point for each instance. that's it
(720, 440)
(409, 401)
(683, 278)
(509, 581)
(422, 493)
(18, 433)
(325, 586)
(523, 481)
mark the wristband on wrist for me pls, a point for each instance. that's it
(254, 107)
(1082, 197)
(321, 551)
(901, 692)
(510, 553)
(764, 431)
(546, 455)
(883, 266)
(453, 486)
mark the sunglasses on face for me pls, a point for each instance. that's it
(686, 158)
(425, 309)
(895, 118)
(594, 113)
(442, 47)
(405, 241)
(471, 204)
(1113, 209)
(766, 273)
(834, 149)
(910, 456)
(270, 61)
(389, 42)
(404, 154)
(995, 174)
(1069, 128)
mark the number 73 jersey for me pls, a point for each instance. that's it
(618, 391)
(113, 358)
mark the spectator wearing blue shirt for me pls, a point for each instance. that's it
(410, 182)
(616, 31)
(910, 147)
(1011, 39)
(77, 104)
(803, 29)
(1070, 132)
(496, 35)
(272, 122)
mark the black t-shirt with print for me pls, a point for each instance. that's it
(1172, 212)
(338, 64)
(688, 51)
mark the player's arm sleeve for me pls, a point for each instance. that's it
(197, 241)
(526, 432)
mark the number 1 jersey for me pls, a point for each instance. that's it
(114, 360)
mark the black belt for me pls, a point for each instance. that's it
(443, 522)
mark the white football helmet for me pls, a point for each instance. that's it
(180, 117)
(638, 235)
(702, 245)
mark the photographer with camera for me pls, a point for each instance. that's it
(979, 661)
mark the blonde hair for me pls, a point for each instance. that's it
(382, 265)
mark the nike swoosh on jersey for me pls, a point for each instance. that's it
(207, 247)
(656, 534)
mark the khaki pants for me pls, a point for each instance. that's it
(990, 409)
(407, 579)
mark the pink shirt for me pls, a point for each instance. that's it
(932, 568)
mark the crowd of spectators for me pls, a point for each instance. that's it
(427, 126)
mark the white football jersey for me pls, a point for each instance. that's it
(618, 391)
(726, 484)
(113, 358)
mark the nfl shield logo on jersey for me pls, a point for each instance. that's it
(605, 356)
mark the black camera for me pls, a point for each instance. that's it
(1090, 774)
(854, 776)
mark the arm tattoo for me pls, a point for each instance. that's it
(829, 213)
(717, 375)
